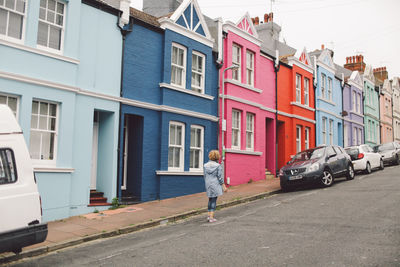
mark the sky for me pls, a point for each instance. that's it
(349, 27)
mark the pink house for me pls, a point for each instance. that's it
(247, 131)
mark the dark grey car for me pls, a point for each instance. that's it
(317, 165)
(390, 152)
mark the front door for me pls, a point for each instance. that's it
(124, 179)
(95, 144)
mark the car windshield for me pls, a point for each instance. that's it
(309, 154)
(384, 147)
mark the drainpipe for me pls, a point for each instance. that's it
(124, 33)
(276, 69)
(315, 78)
(342, 86)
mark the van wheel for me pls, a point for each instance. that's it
(381, 165)
(350, 172)
(326, 178)
(368, 168)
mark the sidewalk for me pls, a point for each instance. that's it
(79, 229)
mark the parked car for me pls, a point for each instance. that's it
(317, 165)
(390, 152)
(364, 158)
(20, 204)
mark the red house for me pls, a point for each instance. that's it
(296, 107)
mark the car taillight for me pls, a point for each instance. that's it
(41, 211)
(360, 156)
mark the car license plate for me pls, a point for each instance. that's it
(296, 177)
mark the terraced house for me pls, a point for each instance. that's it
(386, 112)
(169, 112)
(60, 72)
(247, 104)
(396, 108)
(328, 96)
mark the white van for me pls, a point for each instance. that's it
(20, 203)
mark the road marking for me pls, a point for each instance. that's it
(110, 256)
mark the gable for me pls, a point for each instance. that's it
(305, 58)
(245, 24)
(369, 74)
(356, 77)
(189, 16)
(326, 59)
(396, 83)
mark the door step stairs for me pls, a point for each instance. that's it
(97, 199)
(269, 175)
(128, 198)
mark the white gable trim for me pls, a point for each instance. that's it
(251, 25)
(358, 86)
(181, 9)
(166, 23)
(307, 57)
(321, 62)
(296, 61)
(229, 26)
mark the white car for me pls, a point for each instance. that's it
(364, 158)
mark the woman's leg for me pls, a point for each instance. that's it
(212, 205)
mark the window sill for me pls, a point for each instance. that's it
(181, 173)
(53, 169)
(245, 152)
(302, 106)
(185, 90)
(246, 86)
(327, 101)
(357, 113)
(38, 51)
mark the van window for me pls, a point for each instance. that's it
(8, 171)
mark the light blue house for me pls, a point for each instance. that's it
(328, 99)
(371, 108)
(170, 102)
(60, 72)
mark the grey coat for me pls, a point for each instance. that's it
(213, 179)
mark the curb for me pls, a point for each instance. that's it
(10, 257)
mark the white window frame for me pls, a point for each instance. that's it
(358, 103)
(9, 38)
(306, 91)
(250, 56)
(323, 85)
(179, 67)
(330, 85)
(324, 130)
(237, 129)
(237, 72)
(353, 100)
(330, 132)
(195, 148)
(49, 24)
(298, 88)
(46, 162)
(250, 120)
(345, 135)
(298, 138)
(8, 96)
(181, 147)
(307, 137)
(199, 89)
(354, 136)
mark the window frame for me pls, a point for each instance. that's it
(323, 85)
(331, 131)
(238, 129)
(7, 96)
(324, 128)
(306, 91)
(250, 132)
(250, 69)
(181, 147)
(13, 168)
(298, 88)
(45, 162)
(201, 149)
(298, 138)
(353, 100)
(50, 24)
(183, 68)
(237, 71)
(307, 137)
(330, 88)
(23, 28)
(201, 74)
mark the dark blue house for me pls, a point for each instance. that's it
(169, 110)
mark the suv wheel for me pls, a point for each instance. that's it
(350, 172)
(381, 165)
(397, 160)
(326, 178)
(368, 168)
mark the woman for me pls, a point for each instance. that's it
(214, 182)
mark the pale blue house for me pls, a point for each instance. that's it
(328, 99)
(60, 72)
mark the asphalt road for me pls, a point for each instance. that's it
(352, 223)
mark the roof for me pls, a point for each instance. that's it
(147, 18)
(8, 123)
(340, 70)
(109, 6)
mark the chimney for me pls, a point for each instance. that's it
(322, 47)
(257, 21)
(355, 63)
(381, 73)
(266, 18)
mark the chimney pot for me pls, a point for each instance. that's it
(322, 47)
(271, 17)
(257, 20)
(354, 59)
(253, 20)
(266, 17)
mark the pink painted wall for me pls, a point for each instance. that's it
(386, 118)
(240, 167)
